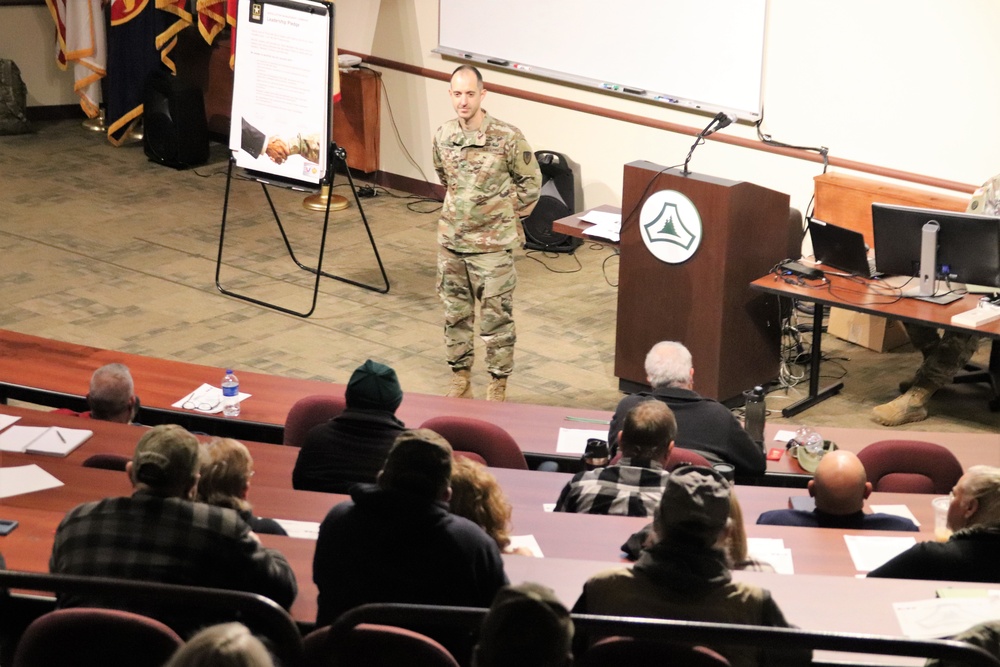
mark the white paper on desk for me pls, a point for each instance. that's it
(25, 479)
(7, 420)
(942, 617)
(18, 438)
(574, 440)
(897, 510)
(771, 550)
(304, 530)
(607, 232)
(784, 436)
(527, 542)
(603, 218)
(206, 393)
(868, 552)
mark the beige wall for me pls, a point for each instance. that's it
(905, 84)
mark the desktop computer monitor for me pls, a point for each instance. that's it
(968, 245)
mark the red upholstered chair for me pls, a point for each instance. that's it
(106, 462)
(680, 456)
(86, 637)
(632, 652)
(465, 434)
(371, 645)
(910, 466)
(308, 412)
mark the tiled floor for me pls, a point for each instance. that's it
(100, 246)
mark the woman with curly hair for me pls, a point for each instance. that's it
(476, 495)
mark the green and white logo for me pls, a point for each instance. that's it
(671, 226)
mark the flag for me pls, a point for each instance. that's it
(81, 42)
(211, 18)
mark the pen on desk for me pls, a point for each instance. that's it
(59, 433)
(588, 420)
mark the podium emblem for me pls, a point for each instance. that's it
(671, 226)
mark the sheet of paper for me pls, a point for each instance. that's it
(548, 507)
(602, 218)
(773, 552)
(304, 530)
(784, 436)
(898, 510)
(929, 619)
(59, 441)
(25, 479)
(206, 394)
(612, 234)
(17, 438)
(574, 440)
(868, 552)
(527, 542)
(7, 420)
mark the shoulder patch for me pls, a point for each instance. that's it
(526, 155)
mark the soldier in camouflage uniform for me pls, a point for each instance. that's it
(944, 355)
(492, 179)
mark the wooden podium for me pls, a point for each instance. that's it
(704, 302)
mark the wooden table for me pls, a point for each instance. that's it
(864, 296)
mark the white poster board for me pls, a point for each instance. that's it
(282, 89)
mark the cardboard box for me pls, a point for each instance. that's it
(875, 333)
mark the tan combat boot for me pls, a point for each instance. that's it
(461, 385)
(910, 407)
(497, 390)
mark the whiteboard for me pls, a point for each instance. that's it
(282, 83)
(688, 53)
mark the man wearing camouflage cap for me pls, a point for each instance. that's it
(491, 179)
(160, 534)
(944, 355)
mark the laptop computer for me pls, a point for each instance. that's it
(840, 248)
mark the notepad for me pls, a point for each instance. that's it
(49, 440)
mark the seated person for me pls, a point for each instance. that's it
(159, 534)
(350, 448)
(985, 635)
(476, 495)
(527, 626)
(226, 469)
(703, 425)
(634, 485)
(223, 645)
(685, 575)
(970, 554)
(397, 542)
(840, 487)
(112, 396)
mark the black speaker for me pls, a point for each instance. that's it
(557, 200)
(175, 132)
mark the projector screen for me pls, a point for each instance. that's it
(688, 53)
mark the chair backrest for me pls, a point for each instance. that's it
(680, 456)
(374, 645)
(489, 441)
(910, 466)
(632, 652)
(107, 462)
(98, 637)
(308, 412)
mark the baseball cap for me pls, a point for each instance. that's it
(695, 502)
(166, 457)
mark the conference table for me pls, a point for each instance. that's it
(873, 297)
(575, 546)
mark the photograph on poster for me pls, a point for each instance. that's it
(282, 88)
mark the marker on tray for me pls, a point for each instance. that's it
(635, 91)
(664, 98)
(523, 68)
(497, 61)
(610, 86)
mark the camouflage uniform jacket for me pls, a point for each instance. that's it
(490, 177)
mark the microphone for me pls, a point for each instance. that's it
(721, 120)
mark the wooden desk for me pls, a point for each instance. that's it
(865, 297)
(57, 374)
(572, 225)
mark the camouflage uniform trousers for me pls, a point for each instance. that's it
(944, 355)
(490, 278)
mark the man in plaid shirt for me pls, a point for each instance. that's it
(160, 534)
(634, 486)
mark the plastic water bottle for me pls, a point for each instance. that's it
(230, 394)
(755, 412)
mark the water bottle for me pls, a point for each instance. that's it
(755, 412)
(230, 394)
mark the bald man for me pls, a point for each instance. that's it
(840, 487)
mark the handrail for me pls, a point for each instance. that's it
(261, 614)
(682, 632)
(676, 128)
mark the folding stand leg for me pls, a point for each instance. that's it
(341, 155)
(274, 212)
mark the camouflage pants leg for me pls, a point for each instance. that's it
(455, 289)
(944, 355)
